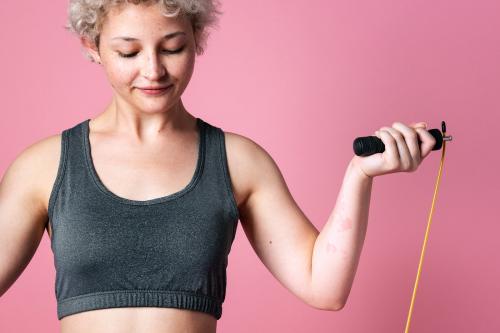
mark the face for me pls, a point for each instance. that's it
(140, 48)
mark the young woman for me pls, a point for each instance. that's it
(141, 203)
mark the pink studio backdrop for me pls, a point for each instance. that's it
(303, 79)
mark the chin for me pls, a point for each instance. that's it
(155, 106)
(153, 103)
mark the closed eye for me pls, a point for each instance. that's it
(131, 55)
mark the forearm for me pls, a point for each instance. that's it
(338, 246)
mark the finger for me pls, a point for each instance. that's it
(427, 142)
(405, 160)
(411, 138)
(391, 153)
(421, 124)
(423, 137)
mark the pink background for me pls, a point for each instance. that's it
(303, 79)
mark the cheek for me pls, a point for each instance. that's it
(182, 69)
(120, 75)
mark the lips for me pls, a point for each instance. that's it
(155, 88)
(156, 91)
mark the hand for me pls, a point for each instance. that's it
(402, 150)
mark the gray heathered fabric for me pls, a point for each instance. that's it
(170, 251)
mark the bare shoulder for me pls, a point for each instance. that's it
(248, 163)
(23, 211)
(35, 169)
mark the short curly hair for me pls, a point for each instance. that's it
(85, 17)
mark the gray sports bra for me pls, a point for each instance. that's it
(170, 251)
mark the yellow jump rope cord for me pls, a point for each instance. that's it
(426, 236)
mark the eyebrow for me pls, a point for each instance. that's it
(167, 36)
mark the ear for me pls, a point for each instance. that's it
(91, 48)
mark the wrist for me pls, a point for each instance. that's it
(355, 169)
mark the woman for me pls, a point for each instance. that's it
(141, 203)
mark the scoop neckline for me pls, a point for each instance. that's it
(100, 185)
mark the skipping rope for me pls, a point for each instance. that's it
(368, 145)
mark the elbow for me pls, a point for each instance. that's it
(339, 306)
(327, 305)
(333, 307)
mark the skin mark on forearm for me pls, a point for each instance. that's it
(342, 222)
(330, 246)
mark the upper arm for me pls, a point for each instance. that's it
(277, 229)
(23, 210)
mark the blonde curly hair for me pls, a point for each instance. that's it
(85, 17)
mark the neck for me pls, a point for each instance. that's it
(120, 117)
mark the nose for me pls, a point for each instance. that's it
(153, 68)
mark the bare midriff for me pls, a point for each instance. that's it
(139, 320)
